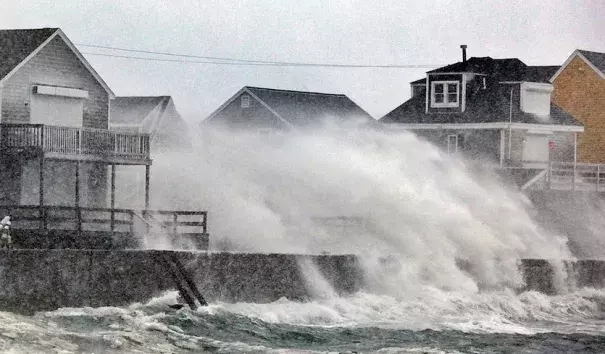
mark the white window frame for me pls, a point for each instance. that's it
(449, 144)
(245, 101)
(445, 102)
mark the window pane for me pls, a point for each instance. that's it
(452, 97)
(438, 88)
(452, 88)
(439, 97)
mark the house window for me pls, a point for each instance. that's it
(445, 94)
(455, 143)
(245, 101)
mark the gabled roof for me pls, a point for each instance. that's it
(155, 115)
(133, 110)
(511, 69)
(17, 46)
(595, 60)
(300, 108)
(490, 106)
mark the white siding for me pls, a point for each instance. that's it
(535, 98)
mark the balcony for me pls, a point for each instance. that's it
(71, 143)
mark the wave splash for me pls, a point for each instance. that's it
(395, 194)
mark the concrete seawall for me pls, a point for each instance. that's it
(36, 280)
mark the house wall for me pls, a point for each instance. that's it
(10, 174)
(54, 65)
(60, 184)
(580, 91)
(484, 145)
(172, 131)
(255, 116)
(560, 145)
(474, 144)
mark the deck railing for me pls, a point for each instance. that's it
(41, 219)
(568, 176)
(75, 141)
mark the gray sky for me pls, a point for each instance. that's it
(350, 32)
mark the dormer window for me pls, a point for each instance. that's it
(245, 101)
(445, 94)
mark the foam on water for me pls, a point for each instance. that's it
(494, 312)
(271, 328)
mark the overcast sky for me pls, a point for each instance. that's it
(347, 32)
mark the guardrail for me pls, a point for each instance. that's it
(42, 218)
(75, 141)
(566, 176)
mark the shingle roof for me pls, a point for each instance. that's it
(489, 106)
(132, 110)
(307, 108)
(597, 59)
(16, 45)
(511, 69)
(540, 73)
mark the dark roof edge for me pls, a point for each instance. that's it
(294, 91)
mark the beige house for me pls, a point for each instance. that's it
(579, 88)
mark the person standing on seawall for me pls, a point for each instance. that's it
(6, 241)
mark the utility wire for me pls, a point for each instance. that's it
(234, 61)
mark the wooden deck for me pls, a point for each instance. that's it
(83, 144)
(70, 227)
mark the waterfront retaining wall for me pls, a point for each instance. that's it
(36, 280)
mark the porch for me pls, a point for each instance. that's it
(70, 143)
(74, 148)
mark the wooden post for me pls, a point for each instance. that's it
(113, 196)
(502, 147)
(147, 178)
(174, 224)
(575, 158)
(78, 211)
(598, 175)
(549, 175)
(41, 210)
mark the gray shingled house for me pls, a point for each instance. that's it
(255, 108)
(55, 143)
(497, 110)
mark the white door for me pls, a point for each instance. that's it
(56, 110)
(535, 148)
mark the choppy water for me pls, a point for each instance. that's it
(435, 322)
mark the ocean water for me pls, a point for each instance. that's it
(438, 322)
